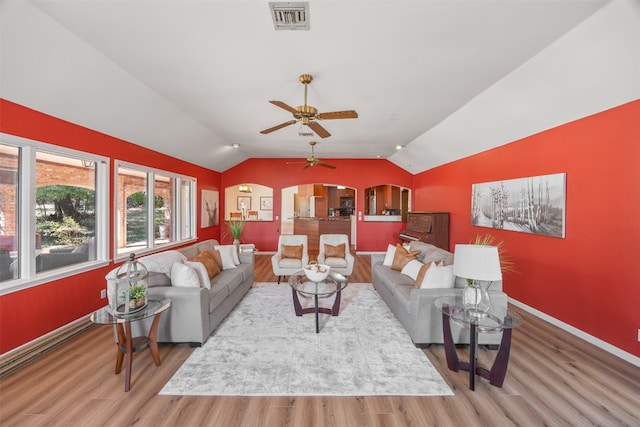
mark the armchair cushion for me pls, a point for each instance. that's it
(293, 252)
(337, 251)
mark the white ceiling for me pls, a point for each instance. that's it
(445, 78)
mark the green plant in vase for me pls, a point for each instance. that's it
(137, 295)
(235, 227)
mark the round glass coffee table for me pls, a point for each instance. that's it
(301, 285)
(127, 344)
(497, 319)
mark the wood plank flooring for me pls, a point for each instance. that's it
(554, 379)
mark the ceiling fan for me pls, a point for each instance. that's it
(313, 160)
(307, 114)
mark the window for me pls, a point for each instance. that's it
(145, 222)
(53, 212)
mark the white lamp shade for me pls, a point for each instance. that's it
(477, 262)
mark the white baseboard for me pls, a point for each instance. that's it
(634, 360)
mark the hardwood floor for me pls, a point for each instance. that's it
(554, 379)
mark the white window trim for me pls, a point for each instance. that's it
(175, 210)
(26, 202)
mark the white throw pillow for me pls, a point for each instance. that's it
(184, 276)
(388, 258)
(201, 270)
(162, 261)
(226, 253)
(438, 276)
(412, 269)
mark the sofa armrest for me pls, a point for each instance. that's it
(377, 258)
(247, 258)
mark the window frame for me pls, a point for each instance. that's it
(176, 212)
(26, 226)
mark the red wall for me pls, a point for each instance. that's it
(587, 280)
(30, 313)
(590, 279)
(358, 174)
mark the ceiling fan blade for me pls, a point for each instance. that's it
(280, 126)
(307, 165)
(284, 106)
(319, 130)
(326, 165)
(348, 114)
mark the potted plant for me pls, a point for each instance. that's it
(235, 227)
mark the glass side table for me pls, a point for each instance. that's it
(127, 344)
(496, 320)
(333, 284)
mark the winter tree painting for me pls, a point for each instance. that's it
(529, 205)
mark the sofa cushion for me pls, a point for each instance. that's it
(402, 257)
(217, 294)
(230, 278)
(337, 251)
(184, 276)
(292, 251)
(158, 279)
(336, 262)
(390, 278)
(428, 252)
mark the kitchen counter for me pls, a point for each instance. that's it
(314, 227)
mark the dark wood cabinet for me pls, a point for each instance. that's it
(428, 227)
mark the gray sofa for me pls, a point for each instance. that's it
(195, 311)
(415, 308)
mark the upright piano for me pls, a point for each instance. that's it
(428, 227)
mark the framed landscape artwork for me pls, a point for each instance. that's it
(266, 203)
(528, 205)
(244, 203)
(209, 208)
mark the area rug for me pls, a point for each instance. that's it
(263, 349)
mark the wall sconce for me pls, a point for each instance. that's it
(244, 188)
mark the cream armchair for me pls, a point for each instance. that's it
(339, 261)
(289, 259)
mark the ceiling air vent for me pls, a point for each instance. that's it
(290, 15)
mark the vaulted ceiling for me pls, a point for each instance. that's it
(442, 78)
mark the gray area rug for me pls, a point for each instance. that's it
(263, 349)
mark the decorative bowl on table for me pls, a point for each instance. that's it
(316, 272)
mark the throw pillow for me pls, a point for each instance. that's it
(227, 258)
(337, 251)
(209, 264)
(202, 272)
(233, 251)
(412, 269)
(416, 270)
(402, 257)
(162, 261)
(217, 258)
(388, 257)
(438, 276)
(184, 276)
(293, 252)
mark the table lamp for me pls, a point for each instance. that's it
(480, 265)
